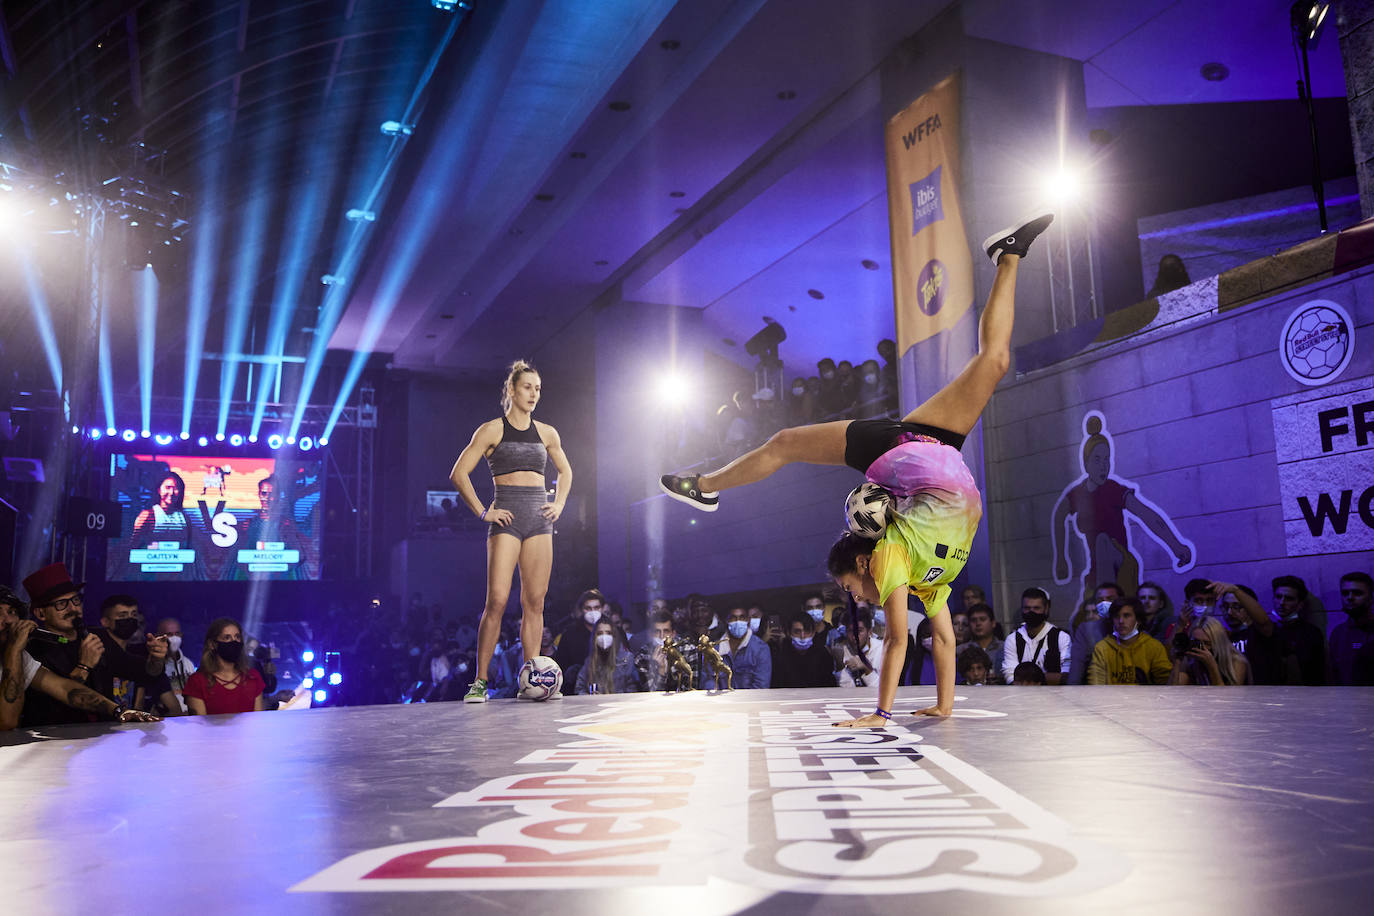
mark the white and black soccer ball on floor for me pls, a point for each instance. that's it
(867, 509)
(540, 678)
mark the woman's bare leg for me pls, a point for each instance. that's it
(820, 443)
(957, 406)
(503, 551)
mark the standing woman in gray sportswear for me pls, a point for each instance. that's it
(520, 517)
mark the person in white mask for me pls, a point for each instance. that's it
(178, 667)
(575, 635)
(608, 669)
(1128, 655)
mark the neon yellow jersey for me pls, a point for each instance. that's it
(927, 540)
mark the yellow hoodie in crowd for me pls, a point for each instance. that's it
(1141, 660)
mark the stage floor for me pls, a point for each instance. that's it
(1029, 801)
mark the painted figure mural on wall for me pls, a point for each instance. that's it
(1101, 506)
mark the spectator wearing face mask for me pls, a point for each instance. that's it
(868, 397)
(1090, 627)
(802, 660)
(831, 397)
(119, 622)
(798, 404)
(576, 634)
(226, 681)
(1199, 601)
(1128, 656)
(813, 606)
(179, 666)
(1037, 641)
(750, 661)
(608, 668)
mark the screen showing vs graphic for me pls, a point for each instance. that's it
(215, 517)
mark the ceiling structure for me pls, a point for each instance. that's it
(722, 155)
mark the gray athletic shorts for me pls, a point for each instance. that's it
(523, 503)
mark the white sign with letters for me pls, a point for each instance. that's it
(1324, 444)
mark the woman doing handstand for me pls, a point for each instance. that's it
(936, 505)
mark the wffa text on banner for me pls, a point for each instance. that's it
(932, 271)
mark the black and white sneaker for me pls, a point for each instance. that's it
(688, 490)
(1017, 239)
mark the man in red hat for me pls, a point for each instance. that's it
(57, 604)
(19, 671)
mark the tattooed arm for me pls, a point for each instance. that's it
(12, 681)
(77, 696)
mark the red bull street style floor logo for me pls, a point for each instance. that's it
(775, 799)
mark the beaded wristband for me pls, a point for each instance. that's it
(882, 712)
(483, 516)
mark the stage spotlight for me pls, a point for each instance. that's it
(146, 434)
(202, 442)
(324, 440)
(306, 444)
(162, 439)
(274, 441)
(184, 435)
(449, 6)
(361, 216)
(110, 431)
(1063, 186)
(332, 280)
(335, 679)
(252, 437)
(219, 437)
(397, 129)
(95, 434)
(1307, 18)
(321, 696)
(128, 435)
(307, 657)
(318, 672)
(290, 440)
(76, 429)
(236, 440)
(307, 683)
(672, 390)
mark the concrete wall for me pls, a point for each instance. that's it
(1192, 411)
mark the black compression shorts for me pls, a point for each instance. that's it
(867, 440)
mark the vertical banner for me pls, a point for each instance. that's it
(932, 272)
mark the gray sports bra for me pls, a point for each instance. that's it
(518, 450)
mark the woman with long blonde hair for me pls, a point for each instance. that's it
(520, 517)
(1210, 658)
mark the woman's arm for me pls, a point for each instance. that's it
(195, 704)
(894, 653)
(484, 439)
(942, 647)
(554, 446)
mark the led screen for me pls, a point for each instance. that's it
(215, 517)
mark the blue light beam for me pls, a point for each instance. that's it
(146, 289)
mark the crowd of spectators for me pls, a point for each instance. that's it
(840, 388)
(58, 670)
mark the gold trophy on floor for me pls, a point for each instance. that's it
(677, 665)
(709, 655)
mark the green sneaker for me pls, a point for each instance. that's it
(477, 693)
